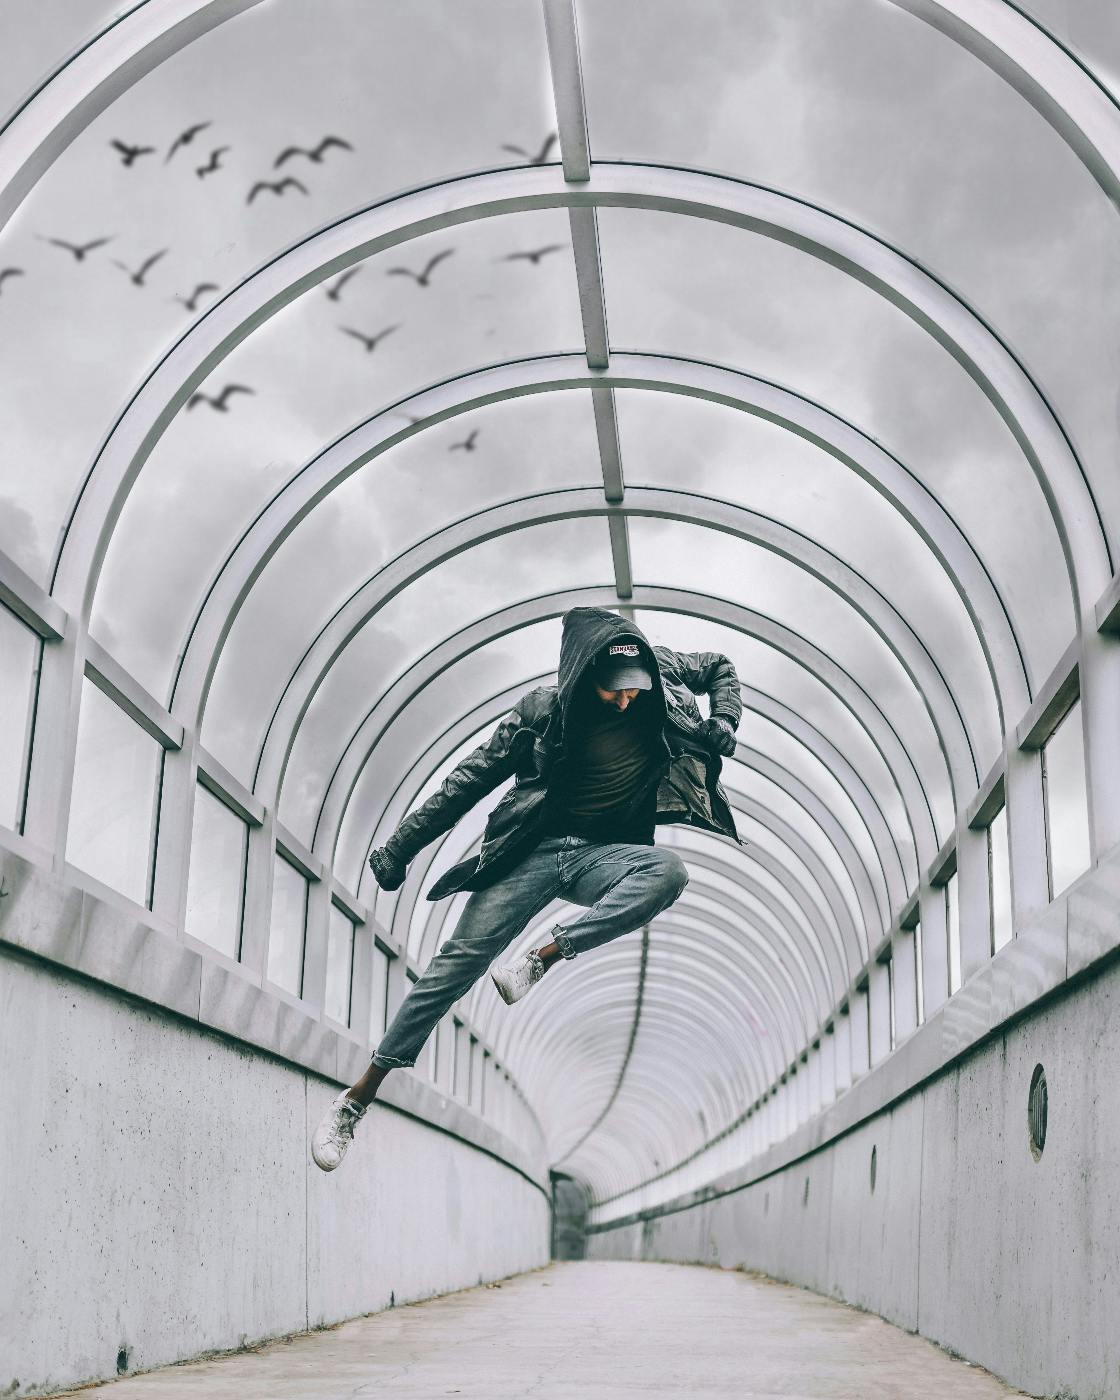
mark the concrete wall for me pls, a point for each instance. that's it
(1012, 1262)
(157, 1194)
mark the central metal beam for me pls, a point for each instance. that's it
(575, 154)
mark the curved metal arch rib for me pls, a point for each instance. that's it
(859, 704)
(894, 630)
(986, 358)
(782, 832)
(403, 794)
(796, 969)
(404, 689)
(845, 443)
(608, 991)
(731, 615)
(67, 100)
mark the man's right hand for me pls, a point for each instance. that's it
(388, 870)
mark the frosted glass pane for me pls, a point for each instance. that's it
(952, 904)
(462, 1061)
(220, 469)
(415, 91)
(873, 113)
(757, 305)
(112, 808)
(380, 995)
(215, 888)
(1067, 808)
(919, 972)
(289, 920)
(39, 34)
(340, 962)
(432, 1054)
(19, 664)
(1090, 28)
(1000, 868)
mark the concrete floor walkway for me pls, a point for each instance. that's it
(591, 1331)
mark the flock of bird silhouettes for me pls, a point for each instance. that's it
(315, 155)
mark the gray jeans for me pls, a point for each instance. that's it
(622, 887)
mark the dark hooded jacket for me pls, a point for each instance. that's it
(530, 739)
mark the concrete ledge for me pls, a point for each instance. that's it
(57, 922)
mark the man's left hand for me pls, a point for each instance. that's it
(719, 736)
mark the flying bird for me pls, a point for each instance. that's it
(215, 162)
(315, 155)
(78, 249)
(277, 187)
(129, 154)
(10, 272)
(542, 154)
(533, 255)
(137, 277)
(369, 341)
(191, 302)
(421, 278)
(221, 403)
(185, 138)
(341, 281)
(467, 444)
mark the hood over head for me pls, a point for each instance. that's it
(585, 632)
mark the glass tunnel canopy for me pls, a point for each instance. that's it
(344, 347)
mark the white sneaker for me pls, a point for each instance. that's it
(516, 978)
(335, 1132)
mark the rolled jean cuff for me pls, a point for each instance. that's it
(563, 942)
(389, 1062)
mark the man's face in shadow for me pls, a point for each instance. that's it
(620, 699)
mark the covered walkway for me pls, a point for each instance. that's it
(345, 347)
(598, 1331)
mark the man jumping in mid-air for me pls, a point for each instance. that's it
(616, 747)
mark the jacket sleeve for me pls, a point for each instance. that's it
(469, 781)
(711, 673)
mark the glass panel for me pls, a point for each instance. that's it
(445, 91)
(513, 664)
(340, 963)
(736, 779)
(112, 807)
(890, 997)
(999, 865)
(39, 35)
(289, 922)
(871, 112)
(1091, 28)
(486, 579)
(952, 905)
(690, 445)
(462, 1061)
(379, 998)
(474, 1065)
(757, 305)
(216, 884)
(698, 559)
(775, 675)
(20, 648)
(919, 972)
(433, 1054)
(221, 468)
(1067, 808)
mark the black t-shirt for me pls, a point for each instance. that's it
(604, 788)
